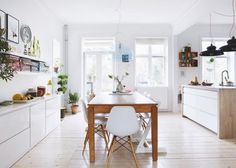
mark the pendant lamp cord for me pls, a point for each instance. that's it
(118, 10)
(210, 30)
(232, 27)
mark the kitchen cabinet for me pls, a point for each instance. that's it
(211, 107)
(14, 148)
(15, 136)
(24, 125)
(52, 114)
(37, 122)
(13, 123)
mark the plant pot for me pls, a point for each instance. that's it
(63, 111)
(74, 108)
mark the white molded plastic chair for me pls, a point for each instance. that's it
(122, 123)
(99, 125)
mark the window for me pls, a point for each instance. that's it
(213, 66)
(98, 63)
(151, 62)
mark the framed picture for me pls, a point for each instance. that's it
(125, 58)
(3, 23)
(12, 29)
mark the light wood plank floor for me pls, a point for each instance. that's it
(182, 144)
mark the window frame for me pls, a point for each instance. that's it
(150, 56)
(98, 58)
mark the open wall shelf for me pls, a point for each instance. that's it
(25, 63)
(188, 59)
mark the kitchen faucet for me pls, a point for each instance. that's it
(222, 75)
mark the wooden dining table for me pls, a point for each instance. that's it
(103, 102)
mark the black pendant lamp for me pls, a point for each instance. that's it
(231, 43)
(211, 50)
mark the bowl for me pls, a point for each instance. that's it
(207, 84)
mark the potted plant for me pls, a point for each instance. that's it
(73, 100)
(62, 81)
(6, 70)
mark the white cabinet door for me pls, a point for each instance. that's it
(13, 123)
(38, 122)
(52, 113)
(14, 148)
(201, 106)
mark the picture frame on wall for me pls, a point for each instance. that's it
(3, 23)
(125, 58)
(12, 29)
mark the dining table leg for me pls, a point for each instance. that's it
(91, 134)
(154, 118)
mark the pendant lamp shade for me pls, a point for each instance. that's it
(211, 51)
(231, 45)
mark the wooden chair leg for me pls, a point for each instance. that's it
(110, 151)
(133, 152)
(85, 141)
(108, 135)
(104, 136)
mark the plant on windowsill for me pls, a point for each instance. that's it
(6, 70)
(73, 100)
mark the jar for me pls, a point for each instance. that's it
(41, 90)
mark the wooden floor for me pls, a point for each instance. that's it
(182, 144)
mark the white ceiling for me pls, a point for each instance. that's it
(179, 13)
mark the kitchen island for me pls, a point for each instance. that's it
(213, 107)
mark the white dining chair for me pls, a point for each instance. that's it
(99, 125)
(122, 123)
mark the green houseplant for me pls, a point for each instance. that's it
(73, 100)
(62, 82)
(6, 70)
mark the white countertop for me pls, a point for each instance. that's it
(16, 106)
(210, 88)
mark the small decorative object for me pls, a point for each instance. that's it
(26, 36)
(12, 29)
(33, 48)
(194, 82)
(62, 81)
(119, 86)
(73, 100)
(49, 88)
(6, 69)
(3, 24)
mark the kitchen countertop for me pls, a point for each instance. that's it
(16, 106)
(210, 88)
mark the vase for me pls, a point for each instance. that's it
(119, 87)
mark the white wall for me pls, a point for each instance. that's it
(45, 27)
(193, 36)
(128, 34)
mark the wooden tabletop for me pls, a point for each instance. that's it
(107, 98)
